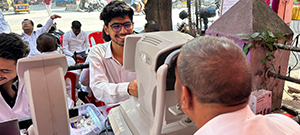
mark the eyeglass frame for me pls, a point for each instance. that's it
(26, 23)
(122, 24)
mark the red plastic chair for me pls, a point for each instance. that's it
(97, 36)
(61, 40)
(72, 77)
(61, 43)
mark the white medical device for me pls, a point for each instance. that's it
(149, 55)
(43, 76)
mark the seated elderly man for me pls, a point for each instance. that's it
(46, 44)
(213, 85)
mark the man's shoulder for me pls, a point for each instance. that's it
(68, 32)
(22, 35)
(279, 118)
(100, 48)
(283, 123)
(83, 32)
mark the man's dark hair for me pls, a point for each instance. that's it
(151, 26)
(46, 42)
(215, 70)
(29, 20)
(116, 9)
(76, 25)
(12, 47)
(105, 36)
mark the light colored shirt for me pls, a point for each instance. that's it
(72, 43)
(4, 26)
(21, 108)
(244, 122)
(31, 39)
(108, 78)
(85, 78)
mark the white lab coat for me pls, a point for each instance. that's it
(21, 108)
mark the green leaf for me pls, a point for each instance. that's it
(267, 32)
(247, 46)
(285, 46)
(273, 68)
(263, 36)
(270, 47)
(264, 60)
(271, 40)
(254, 35)
(279, 36)
(272, 56)
(269, 53)
(245, 38)
(241, 34)
(271, 34)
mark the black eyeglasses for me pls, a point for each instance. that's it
(116, 27)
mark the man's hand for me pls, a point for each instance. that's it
(55, 16)
(79, 57)
(133, 89)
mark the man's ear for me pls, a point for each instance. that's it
(105, 29)
(186, 98)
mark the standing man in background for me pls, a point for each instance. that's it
(48, 4)
(30, 35)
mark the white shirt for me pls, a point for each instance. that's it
(85, 78)
(34, 35)
(72, 43)
(244, 122)
(21, 108)
(108, 78)
(4, 26)
(70, 61)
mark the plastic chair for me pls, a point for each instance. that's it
(97, 36)
(72, 77)
(61, 40)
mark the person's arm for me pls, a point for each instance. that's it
(85, 75)
(86, 43)
(48, 25)
(5, 28)
(102, 89)
(66, 44)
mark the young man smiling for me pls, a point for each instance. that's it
(13, 97)
(109, 81)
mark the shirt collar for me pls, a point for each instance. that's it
(108, 53)
(24, 34)
(74, 33)
(53, 52)
(226, 119)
